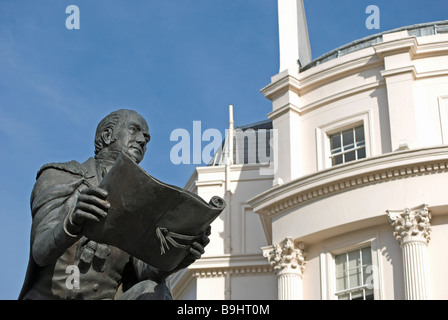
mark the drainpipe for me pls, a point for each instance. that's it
(228, 189)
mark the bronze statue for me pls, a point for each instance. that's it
(64, 198)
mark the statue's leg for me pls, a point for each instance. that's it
(147, 290)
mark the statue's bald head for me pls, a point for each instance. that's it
(109, 128)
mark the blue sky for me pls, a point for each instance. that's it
(173, 61)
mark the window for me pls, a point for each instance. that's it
(347, 145)
(345, 139)
(353, 273)
(351, 266)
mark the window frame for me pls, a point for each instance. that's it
(343, 244)
(358, 288)
(323, 133)
(343, 151)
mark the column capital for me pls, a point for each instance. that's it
(287, 256)
(411, 224)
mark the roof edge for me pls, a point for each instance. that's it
(367, 41)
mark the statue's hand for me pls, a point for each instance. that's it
(196, 250)
(91, 205)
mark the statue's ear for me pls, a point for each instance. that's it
(106, 135)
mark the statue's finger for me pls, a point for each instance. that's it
(94, 200)
(95, 191)
(80, 216)
(90, 208)
(198, 248)
(205, 240)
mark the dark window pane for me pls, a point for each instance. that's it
(347, 139)
(366, 256)
(337, 160)
(350, 156)
(361, 153)
(359, 134)
(369, 295)
(335, 143)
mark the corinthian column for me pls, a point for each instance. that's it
(412, 229)
(288, 261)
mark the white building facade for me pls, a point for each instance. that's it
(356, 206)
(233, 266)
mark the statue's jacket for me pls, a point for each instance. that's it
(62, 266)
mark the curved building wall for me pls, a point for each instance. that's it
(392, 201)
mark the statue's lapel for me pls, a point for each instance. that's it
(90, 170)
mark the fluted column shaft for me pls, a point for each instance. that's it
(416, 273)
(289, 285)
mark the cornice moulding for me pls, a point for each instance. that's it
(220, 272)
(387, 48)
(227, 260)
(282, 110)
(209, 183)
(401, 70)
(340, 70)
(217, 266)
(429, 74)
(340, 95)
(365, 59)
(431, 49)
(348, 176)
(233, 167)
(314, 77)
(285, 83)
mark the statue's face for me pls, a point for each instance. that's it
(132, 137)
